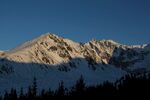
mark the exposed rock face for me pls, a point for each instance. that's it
(51, 49)
(51, 59)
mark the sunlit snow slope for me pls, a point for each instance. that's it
(51, 58)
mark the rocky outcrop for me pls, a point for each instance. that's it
(52, 49)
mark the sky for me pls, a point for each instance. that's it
(124, 21)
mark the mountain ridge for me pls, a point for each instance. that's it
(52, 34)
(50, 57)
(49, 45)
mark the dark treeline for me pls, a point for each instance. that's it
(129, 85)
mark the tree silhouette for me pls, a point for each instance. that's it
(6, 95)
(34, 87)
(13, 94)
(79, 87)
(136, 85)
(0, 97)
(30, 94)
(61, 89)
(21, 95)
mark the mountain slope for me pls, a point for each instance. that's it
(51, 49)
(51, 58)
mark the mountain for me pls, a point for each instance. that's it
(51, 58)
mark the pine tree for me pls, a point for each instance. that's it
(29, 94)
(0, 97)
(6, 95)
(21, 95)
(80, 85)
(34, 87)
(61, 89)
(50, 93)
(43, 93)
(12, 95)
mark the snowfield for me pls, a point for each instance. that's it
(52, 59)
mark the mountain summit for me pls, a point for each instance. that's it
(52, 49)
(53, 58)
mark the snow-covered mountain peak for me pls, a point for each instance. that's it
(1, 53)
(47, 36)
(41, 39)
(52, 49)
(104, 41)
(109, 41)
(52, 58)
(147, 47)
